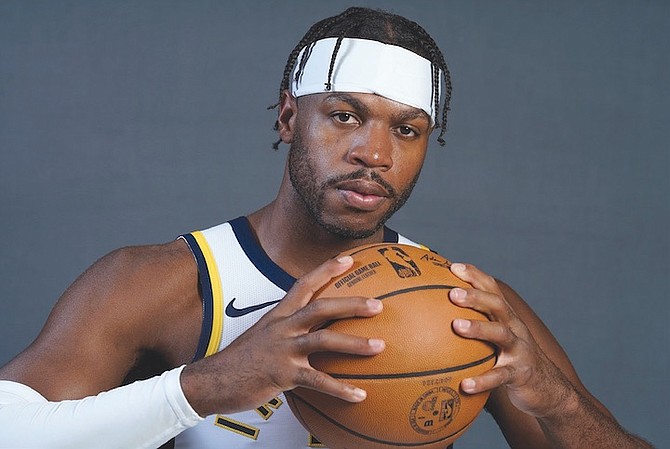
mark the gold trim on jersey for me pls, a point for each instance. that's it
(217, 294)
(264, 410)
(237, 427)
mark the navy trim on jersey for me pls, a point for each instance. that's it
(206, 296)
(258, 256)
(390, 236)
(272, 271)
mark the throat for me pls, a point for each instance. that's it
(300, 244)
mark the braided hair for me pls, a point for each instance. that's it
(382, 26)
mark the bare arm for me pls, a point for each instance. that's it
(131, 302)
(145, 299)
(537, 397)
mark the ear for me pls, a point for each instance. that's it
(288, 109)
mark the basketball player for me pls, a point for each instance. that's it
(217, 322)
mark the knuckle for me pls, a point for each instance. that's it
(307, 342)
(318, 381)
(319, 338)
(504, 311)
(524, 372)
(489, 282)
(505, 335)
(313, 341)
(301, 284)
(509, 374)
(311, 378)
(318, 306)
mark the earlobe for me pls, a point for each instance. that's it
(288, 108)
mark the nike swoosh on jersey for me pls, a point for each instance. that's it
(234, 312)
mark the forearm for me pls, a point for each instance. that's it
(144, 414)
(580, 424)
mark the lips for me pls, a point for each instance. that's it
(362, 194)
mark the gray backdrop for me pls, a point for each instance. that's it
(127, 122)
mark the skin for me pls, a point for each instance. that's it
(137, 311)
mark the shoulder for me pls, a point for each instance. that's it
(135, 278)
(148, 292)
(145, 259)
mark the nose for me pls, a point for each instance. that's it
(372, 149)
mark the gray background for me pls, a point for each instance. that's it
(130, 122)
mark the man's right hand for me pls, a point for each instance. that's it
(272, 356)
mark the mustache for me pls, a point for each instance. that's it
(362, 174)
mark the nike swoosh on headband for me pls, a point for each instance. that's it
(234, 312)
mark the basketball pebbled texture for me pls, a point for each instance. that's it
(414, 399)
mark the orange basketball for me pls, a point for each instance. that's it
(414, 399)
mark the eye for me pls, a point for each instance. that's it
(407, 131)
(345, 117)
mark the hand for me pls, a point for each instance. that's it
(272, 355)
(533, 382)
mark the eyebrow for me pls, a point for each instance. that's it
(406, 115)
(351, 101)
(412, 114)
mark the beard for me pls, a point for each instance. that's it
(312, 192)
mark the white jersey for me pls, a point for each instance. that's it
(239, 283)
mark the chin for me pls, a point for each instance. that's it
(353, 231)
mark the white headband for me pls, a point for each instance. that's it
(367, 66)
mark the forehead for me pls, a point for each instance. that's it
(366, 103)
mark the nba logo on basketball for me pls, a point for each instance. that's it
(401, 262)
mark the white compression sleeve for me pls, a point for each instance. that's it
(144, 414)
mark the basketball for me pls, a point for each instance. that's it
(414, 399)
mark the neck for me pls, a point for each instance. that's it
(294, 240)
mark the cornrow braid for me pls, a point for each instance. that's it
(436, 55)
(365, 23)
(338, 44)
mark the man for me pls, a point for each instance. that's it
(219, 317)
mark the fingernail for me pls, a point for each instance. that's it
(468, 385)
(344, 259)
(458, 268)
(458, 294)
(462, 324)
(359, 394)
(376, 343)
(375, 305)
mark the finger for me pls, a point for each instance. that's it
(327, 309)
(490, 331)
(304, 288)
(326, 340)
(488, 381)
(316, 380)
(492, 305)
(477, 278)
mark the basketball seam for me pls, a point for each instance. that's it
(417, 288)
(400, 292)
(414, 374)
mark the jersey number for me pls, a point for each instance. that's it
(252, 432)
